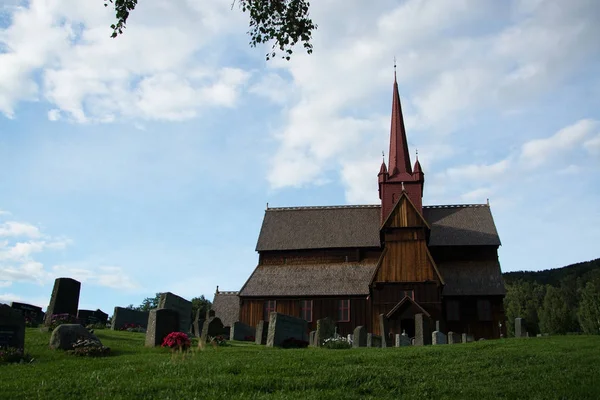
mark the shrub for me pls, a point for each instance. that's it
(13, 355)
(337, 343)
(176, 340)
(293, 343)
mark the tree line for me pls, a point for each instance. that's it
(556, 301)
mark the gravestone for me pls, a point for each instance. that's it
(383, 328)
(211, 328)
(519, 327)
(422, 330)
(66, 335)
(161, 322)
(124, 316)
(282, 327)
(242, 332)
(402, 340)
(374, 340)
(453, 338)
(325, 330)
(467, 338)
(29, 311)
(437, 326)
(360, 337)
(12, 328)
(179, 304)
(87, 317)
(312, 337)
(198, 323)
(438, 337)
(64, 299)
(464, 338)
(262, 331)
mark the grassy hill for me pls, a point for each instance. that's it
(555, 367)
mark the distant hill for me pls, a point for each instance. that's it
(554, 276)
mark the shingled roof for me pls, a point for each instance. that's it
(472, 278)
(310, 279)
(294, 228)
(227, 307)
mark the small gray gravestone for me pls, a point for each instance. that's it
(12, 328)
(179, 304)
(437, 326)
(405, 340)
(397, 340)
(211, 328)
(325, 330)
(87, 317)
(453, 338)
(438, 338)
(66, 335)
(64, 299)
(384, 329)
(519, 327)
(262, 331)
(422, 330)
(282, 327)
(161, 322)
(123, 317)
(360, 337)
(198, 323)
(29, 311)
(374, 340)
(242, 332)
(312, 337)
(470, 338)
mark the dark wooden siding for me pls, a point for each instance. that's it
(469, 321)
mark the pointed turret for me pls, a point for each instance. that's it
(399, 157)
(382, 176)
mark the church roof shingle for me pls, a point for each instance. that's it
(295, 228)
(227, 307)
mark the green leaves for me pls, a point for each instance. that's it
(122, 10)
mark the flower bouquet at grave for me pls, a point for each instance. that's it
(177, 341)
(13, 355)
(338, 342)
(89, 348)
(129, 327)
(217, 340)
(59, 319)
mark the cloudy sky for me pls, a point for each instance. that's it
(144, 163)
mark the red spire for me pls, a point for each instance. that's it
(399, 157)
(383, 170)
(417, 169)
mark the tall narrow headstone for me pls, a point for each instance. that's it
(360, 337)
(161, 322)
(12, 328)
(519, 327)
(179, 304)
(453, 338)
(437, 326)
(64, 299)
(282, 327)
(262, 331)
(438, 338)
(325, 330)
(213, 327)
(422, 330)
(312, 338)
(384, 330)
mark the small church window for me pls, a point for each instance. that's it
(306, 310)
(343, 310)
(453, 310)
(484, 310)
(269, 307)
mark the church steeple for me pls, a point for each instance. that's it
(399, 158)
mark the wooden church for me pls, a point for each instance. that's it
(397, 259)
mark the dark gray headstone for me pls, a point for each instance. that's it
(453, 338)
(438, 337)
(29, 311)
(463, 338)
(386, 341)
(213, 327)
(64, 299)
(262, 332)
(422, 330)
(360, 337)
(87, 317)
(181, 305)
(66, 335)
(124, 316)
(12, 328)
(374, 340)
(161, 322)
(402, 340)
(312, 337)
(325, 330)
(470, 338)
(282, 327)
(198, 323)
(242, 332)
(519, 327)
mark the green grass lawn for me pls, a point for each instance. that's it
(557, 367)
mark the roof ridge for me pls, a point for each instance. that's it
(324, 207)
(456, 205)
(228, 292)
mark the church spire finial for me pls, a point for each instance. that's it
(394, 68)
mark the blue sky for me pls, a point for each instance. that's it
(144, 163)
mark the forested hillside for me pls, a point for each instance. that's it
(555, 301)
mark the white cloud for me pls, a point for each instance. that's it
(106, 276)
(478, 171)
(478, 195)
(273, 87)
(18, 229)
(54, 114)
(593, 145)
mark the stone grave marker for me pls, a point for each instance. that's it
(198, 323)
(87, 317)
(124, 316)
(64, 299)
(262, 331)
(211, 328)
(438, 337)
(29, 311)
(282, 327)
(453, 338)
(312, 337)
(519, 327)
(360, 337)
(384, 329)
(242, 332)
(325, 330)
(422, 330)
(161, 322)
(181, 305)
(12, 328)
(374, 340)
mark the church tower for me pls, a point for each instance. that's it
(399, 176)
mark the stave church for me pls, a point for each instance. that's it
(359, 263)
